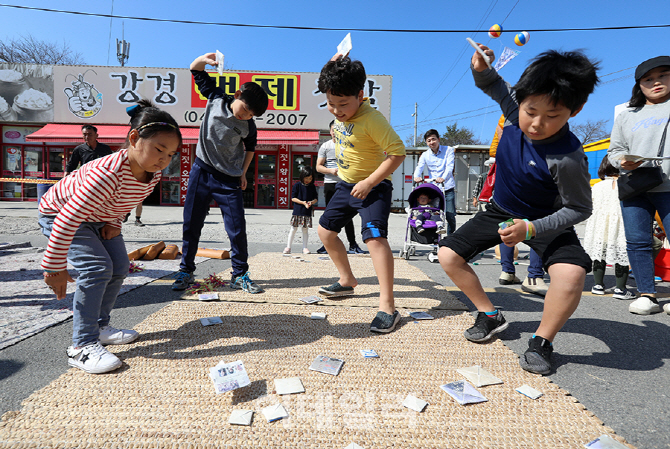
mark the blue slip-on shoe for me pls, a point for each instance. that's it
(336, 290)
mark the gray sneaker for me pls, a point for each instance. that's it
(485, 327)
(243, 282)
(182, 280)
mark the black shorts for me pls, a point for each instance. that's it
(481, 233)
(374, 210)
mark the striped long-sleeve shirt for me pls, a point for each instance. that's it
(102, 191)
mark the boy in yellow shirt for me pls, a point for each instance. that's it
(368, 152)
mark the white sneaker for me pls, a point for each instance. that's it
(111, 336)
(93, 359)
(666, 308)
(644, 306)
(534, 285)
(508, 279)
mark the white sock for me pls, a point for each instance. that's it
(291, 234)
(305, 237)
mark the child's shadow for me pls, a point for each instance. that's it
(239, 335)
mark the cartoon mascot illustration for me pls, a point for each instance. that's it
(84, 100)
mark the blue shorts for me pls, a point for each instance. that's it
(374, 210)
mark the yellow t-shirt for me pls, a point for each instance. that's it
(363, 142)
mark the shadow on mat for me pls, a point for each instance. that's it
(241, 334)
(424, 289)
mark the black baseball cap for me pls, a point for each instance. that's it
(650, 64)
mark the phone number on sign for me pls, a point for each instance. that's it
(270, 118)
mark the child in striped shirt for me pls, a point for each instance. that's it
(82, 215)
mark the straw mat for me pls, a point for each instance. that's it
(287, 279)
(162, 396)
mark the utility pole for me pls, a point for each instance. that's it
(415, 115)
(122, 49)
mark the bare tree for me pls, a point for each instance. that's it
(459, 136)
(591, 131)
(27, 49)
(409, 141)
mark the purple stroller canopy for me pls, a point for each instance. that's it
(431, 190)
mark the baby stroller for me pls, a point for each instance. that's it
(429, 238)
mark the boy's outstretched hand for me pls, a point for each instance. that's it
(513, 234)
(478, 61)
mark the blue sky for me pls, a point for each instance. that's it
(430, 69)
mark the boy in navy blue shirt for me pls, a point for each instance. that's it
(542, 191)
(225, 149)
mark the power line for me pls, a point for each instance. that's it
(406, 125)
(287, 27)
(459, 57)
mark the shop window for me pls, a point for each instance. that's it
(56, 162)
(11, 161)
(170, 192)
(266, 180)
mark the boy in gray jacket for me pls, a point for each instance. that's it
(225, 149)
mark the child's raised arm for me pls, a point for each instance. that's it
(201, 62)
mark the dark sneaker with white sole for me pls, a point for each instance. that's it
(623, 294)
(384, 322)
(336, 290)
(355, 249)
(537, 359)
(486, 327)
(598, 289)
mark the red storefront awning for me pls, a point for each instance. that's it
(116, 134)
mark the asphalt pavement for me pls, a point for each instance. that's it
(611, 361)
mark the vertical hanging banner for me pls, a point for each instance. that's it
(184, 170)
(283, 178)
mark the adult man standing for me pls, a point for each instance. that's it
(440, 162)
(90, 150)
(326, 163)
